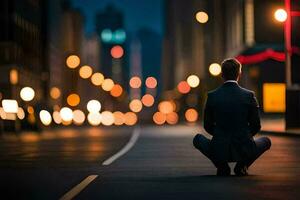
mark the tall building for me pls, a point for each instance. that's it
(72, 41)
(113, 53)
(22, 48)
(151, 53)
(190, 47)
(64, 37)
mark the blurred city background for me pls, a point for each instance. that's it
(76, 62)
(82, 82)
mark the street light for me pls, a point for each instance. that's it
(280, 15)
(285, 15)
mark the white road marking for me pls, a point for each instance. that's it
(126, 148)
(83, 184)
(78, 188)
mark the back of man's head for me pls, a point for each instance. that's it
(231, 69)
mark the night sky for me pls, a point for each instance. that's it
(138, 13)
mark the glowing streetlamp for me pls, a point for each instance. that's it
(280, 15)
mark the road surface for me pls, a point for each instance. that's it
(148, 162)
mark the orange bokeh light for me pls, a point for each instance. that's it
(172, 118)
(117, 51)
(135, 82)
(166, 107)
(73, 61)
(85, 72)
(151, 82)
(119, 118)
(73, 99)
(116, 91)
(148, 100)
(191, 115)
(130, 118)
(136, 105)
(107, 84)
(183, 87)
(159, 118)
(97, 78)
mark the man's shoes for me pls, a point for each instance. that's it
(223, 171)
(241, 170)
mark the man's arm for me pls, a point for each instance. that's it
(254, 118)
(209, 122)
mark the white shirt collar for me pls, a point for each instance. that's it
(231, 81)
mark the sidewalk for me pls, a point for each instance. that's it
(277, 126)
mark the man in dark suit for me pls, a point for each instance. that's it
(231, 116)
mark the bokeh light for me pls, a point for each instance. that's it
(135, 105)
(135, 82)
(166, 107)
(215, 69)
(73, 99)
(107, 84)
(119, 118)
(14, 76)
(201, 17)
(94, 118)
(2, 113)
(117, 51)
(78, 117)
(116, 91)
(183, 87)
(191, 115)
(73, 61)
(120, 36)
(151, 82)
(97, 78)
(193, 81)
(108, 118)
(280, 15)
(55, 93)
(172, 118)
(21, 113)
(93, 106)
(106, 35)
(27, 93)
(159, 118)
(30, 109)
(148, 100)
(56, 117)
(10, 106)
(45, 117)
(66, 114)
(85, 72)
(130, 118)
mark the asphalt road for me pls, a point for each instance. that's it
(149, 162)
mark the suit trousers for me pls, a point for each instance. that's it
(203, 145)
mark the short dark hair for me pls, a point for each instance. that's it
(231, 69)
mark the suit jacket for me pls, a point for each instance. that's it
(231, 116)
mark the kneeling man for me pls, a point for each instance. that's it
(231, 116)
